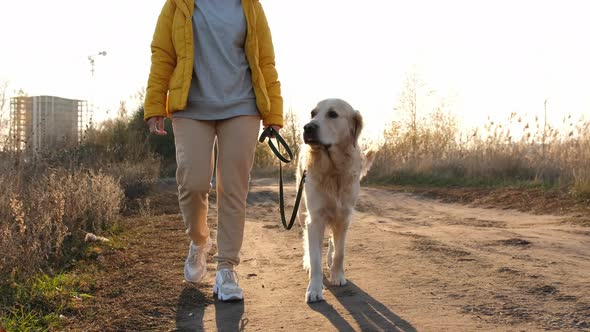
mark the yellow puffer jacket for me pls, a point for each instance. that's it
(173, 59)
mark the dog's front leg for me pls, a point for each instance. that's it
(339, 230)
(315, 233)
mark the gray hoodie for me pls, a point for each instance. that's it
(221, 85)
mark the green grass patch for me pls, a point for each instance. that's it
(22, 319)
(38, 303)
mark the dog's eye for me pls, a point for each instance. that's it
(313, 114)
(332, 114)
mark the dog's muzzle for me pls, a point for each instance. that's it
(310, 133)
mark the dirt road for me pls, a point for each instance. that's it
(413, 264)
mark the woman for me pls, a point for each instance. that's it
(213, 72)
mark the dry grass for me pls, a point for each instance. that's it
(136, 179)
(52, 199)
(44, 218)
(516, 151)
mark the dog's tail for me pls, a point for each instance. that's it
(368, 157)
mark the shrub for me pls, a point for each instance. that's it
(497, 154)
(45, 218)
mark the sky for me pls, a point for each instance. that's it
(494, 57)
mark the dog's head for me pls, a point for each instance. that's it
(333, 122)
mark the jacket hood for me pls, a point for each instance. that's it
(186, 6)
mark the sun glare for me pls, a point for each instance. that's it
(490, 59)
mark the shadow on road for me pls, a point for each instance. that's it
(190, 308)
(190, 311)
(369, 314)
(228, 316)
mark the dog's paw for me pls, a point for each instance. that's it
(337, 279)
(314, 293)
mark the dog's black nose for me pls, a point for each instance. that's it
(310, 128)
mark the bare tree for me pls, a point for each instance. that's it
(139, 96)
(444, 128)
(291, 131)
(122, 111)
(411, 105)
(4, 115)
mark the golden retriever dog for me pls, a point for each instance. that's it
(334, 165)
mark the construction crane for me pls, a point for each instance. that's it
(92, 105)
(91, 59)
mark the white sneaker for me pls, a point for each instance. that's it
(226, 286)
(195, 266)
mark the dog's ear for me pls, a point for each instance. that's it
(357, 127)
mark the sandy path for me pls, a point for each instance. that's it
(412, 264)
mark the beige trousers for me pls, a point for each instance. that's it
(236, 144)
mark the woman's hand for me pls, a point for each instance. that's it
(156, 125)
(275, 127)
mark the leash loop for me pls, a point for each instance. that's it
(269, 133)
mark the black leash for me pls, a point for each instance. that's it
(271, 133)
